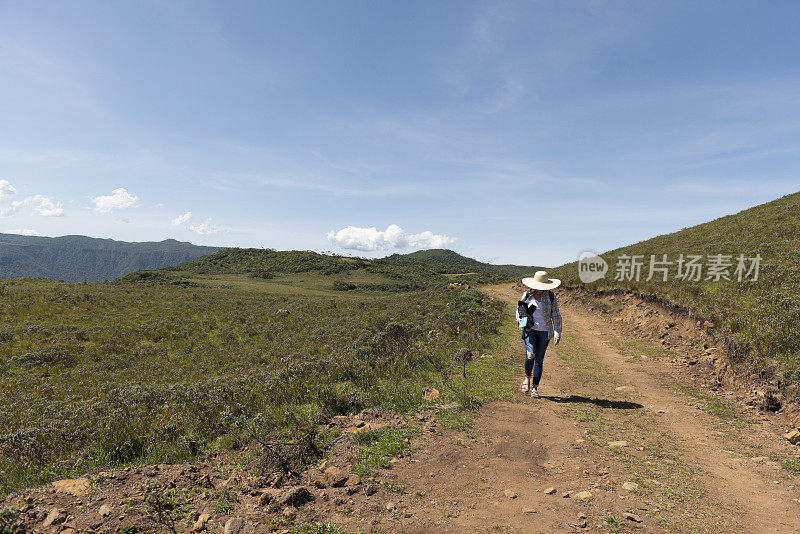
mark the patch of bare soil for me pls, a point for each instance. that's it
(635, 431)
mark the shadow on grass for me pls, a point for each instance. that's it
(603, 403)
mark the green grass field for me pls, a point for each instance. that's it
(160, 367)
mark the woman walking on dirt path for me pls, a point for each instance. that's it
(540, 321)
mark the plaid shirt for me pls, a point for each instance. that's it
(550, 311)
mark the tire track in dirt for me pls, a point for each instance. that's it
(737, 488)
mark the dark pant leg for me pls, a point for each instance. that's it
(528, 346)
(540, 341)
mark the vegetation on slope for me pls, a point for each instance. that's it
(266, 263)
(78, 258)
(762, 317)
(160, 368)
(446, 260)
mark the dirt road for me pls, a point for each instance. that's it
(621, 444)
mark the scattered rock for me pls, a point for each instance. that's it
(78, 486)
(365, 427)
(353, 480)
(630, 486)
(390, 506)
(550, 491)
(104, 511)
(566, 495)
(56, 516)
(510, 494)
(228, 484)
(769, 403)
(369, 489)
(317, 478)
(583, 495)
(528, 511)
(625, 388)
(297, 496)
(336, 477)
(200, 524)
(632, 517)
(268, 495)
(793, 436)
(367, 414)
(618, 444)
(235, 525)
(708, 362)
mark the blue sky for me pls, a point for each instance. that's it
(520, 132)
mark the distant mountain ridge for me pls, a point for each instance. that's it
(75, 258)
(443, 256)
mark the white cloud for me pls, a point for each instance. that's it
(183, 219)
(23, 231)
(119, 199)
(6, 190)
(356, 238)
(204, 228)
(46, 207)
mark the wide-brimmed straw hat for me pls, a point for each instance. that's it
(540, 280)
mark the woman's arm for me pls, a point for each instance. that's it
(556, 315)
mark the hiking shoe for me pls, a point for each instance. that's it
(534, 393)
(524, 384)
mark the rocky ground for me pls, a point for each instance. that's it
(642, 426)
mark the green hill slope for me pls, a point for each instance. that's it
(763, 316)
(339, 272)
(77, 258)
(446, 257)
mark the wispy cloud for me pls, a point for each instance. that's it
(733, 188)
(6, 190)
(23, 231)
(181, 219)
(33, 67)
(204, 228)
(45, 207)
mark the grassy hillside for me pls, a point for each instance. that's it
(447, 260)
(763, 315)
(78, 258)
(161, 366)
(386, 274)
